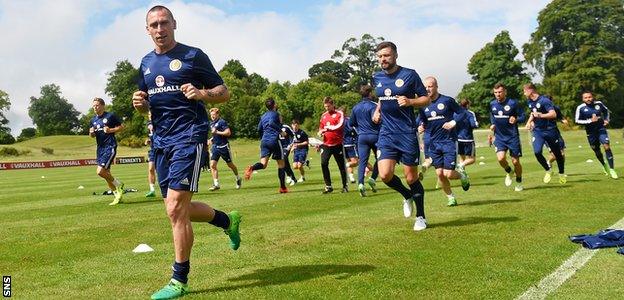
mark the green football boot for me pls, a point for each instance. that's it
(362, 190)
(465, 181)
(233, 231)
(613, 174)
(373, 185)
(172, 290)
(606, 169)
(119, 191)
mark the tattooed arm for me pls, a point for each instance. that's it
(216, 94)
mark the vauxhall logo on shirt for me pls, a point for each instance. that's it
(161, 82)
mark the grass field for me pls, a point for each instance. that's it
(62, 242)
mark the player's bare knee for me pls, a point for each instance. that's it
(174, 211)
(385, 176)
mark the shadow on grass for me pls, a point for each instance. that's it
(488, 202)
(158, 200)
(474, 221)
(501, 176)
(288, 274)
(551, 186)
(587, 180)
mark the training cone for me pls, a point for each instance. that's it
(142, 248)
(589, 161)
(481, 163)
(80, 187)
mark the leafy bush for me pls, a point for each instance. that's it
(132, 142)
(10, 151)
(46, 150)
(5, 136)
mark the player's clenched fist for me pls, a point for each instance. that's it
(139, 101)
(190, 91)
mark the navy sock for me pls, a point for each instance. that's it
(508, 169)
(518, 179)
(181, 270)
(220, 219)
(542, 160)
(560, 160)
(396, 184)
(609, 155)
(375, 171)
(596, 149)
(418, 192)
(282, 177)
(257, 166)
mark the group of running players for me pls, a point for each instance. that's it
(176, 88)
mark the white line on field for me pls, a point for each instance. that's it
(553, 281)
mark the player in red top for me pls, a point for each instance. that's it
(331, 129)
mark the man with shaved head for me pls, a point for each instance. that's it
(176, 83)
(439, 119)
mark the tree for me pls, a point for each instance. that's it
(52, 114)
(331, 72)
(494, 63)
(360, 56)
(27, 133)
(256, 84)
(5, 136)
(235, 68)
(5, 105)
(578, 45)
(5, 131)
(120, 85)
(304, 102)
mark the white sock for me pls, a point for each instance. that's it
(215, 182)
(116, 182)
(450, 196)
(151, 187)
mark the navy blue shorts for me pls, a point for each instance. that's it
(561, 143)
(400, 147)
(550, 138)
(217, 152)
(599, 137)
(106, 156)
(300, 155)
(178, 166)
(512, 144)
(350, 152)
(466, 148)
(271, 148)
(444, 155)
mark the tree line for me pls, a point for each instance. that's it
(578, 45)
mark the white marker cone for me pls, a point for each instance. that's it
(142, 248)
